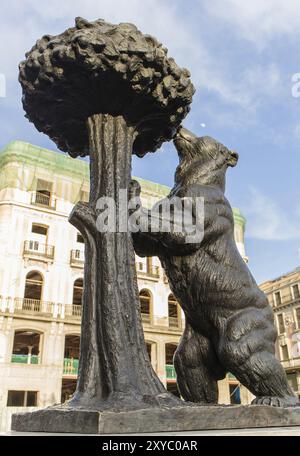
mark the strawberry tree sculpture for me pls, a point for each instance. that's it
(107, 91)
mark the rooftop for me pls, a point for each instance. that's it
(281, 277)
(59, 163)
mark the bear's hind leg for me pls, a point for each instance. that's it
(246, 349)
(197, 368)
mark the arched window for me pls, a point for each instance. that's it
(77, 292)
(77, 298)
(173, 312)
(70, 372)
(33, 291)
(43, 192)
(170, 371)
(149, 349)
(26, 348)
(170, 350)
(145, 300)
(71, 354)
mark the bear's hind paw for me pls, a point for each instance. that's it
(276, 401)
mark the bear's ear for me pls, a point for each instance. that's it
(233, 158)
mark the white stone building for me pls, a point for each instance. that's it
(284, 296)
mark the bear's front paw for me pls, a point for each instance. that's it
(276, 401)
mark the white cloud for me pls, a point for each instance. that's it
(161, 18)
(266, 220)
(258, 21)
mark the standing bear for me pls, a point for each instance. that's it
(229, 322)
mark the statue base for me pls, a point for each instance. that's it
(61, 419)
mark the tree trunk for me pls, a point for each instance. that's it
(114, 368)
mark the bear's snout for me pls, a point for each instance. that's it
(184, 133)
(233, 159)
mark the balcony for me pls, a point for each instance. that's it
(153, 272)
(35, 249)
(146, 318)
(170, 372)
(174, 322)
(32, 306)
(73, 310)
(44, 200)
(77, 258)
(25, 359)
(141, 270)
(70, 366)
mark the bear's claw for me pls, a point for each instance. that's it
(276, 401)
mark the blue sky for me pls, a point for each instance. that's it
(242, 56)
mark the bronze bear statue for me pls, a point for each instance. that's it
(229, 322)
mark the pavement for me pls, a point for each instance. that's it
(274, 431)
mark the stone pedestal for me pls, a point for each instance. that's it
(149, 420)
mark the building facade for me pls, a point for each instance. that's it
(41, 282)
(284, 296)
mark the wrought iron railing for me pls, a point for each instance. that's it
(37, 249)
(25, 359)
(23, 305)
(70, 366)
(174, 322)
(170, 372)
(40, 199)
(73, 310)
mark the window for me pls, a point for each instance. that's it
(80, 238)
(280, 320)
(68, 387)
(298, 316)
(170, 370)
(170, 350)
(39, 229)
(43, 186)
(284, 352)
(26, 347)
(71, 355)
(277, 297)
(77, 292)
(296, 293)
(149, 349)
(72, 344)
(33, 286)
(235, 393)
(22, 399)
(173, 312)
(43, 192)
(145, 301)
(33, 245)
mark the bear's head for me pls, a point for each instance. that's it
(201, 159)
